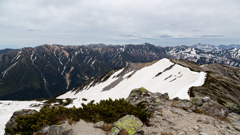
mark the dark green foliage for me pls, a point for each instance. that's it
(68, 102)
(84, 99)
(106, 110)
(110, 111)
(59, 101)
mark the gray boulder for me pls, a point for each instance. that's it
(214, 109)
(206, 99)
(63, 129)
(129, 122)
(147, 99)
(98, 124)
(114, 131)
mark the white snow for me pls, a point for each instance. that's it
(7, 108)
(93, 63)
(16, 57)
(63, 70)
(127, 74)
(193, 51)
(4, 72)
(176, 86)
(33, 59)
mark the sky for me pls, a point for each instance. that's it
(29, 23)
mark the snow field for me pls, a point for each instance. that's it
(176, 82)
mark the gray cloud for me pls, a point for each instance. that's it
(196, 30)
(212, 36)
(119, 22)
(127, 35)
(31, 30)
(165, 36)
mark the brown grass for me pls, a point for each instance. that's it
(199, 120)
(123, 132)
(174, 103)
(185, 108)
(165, 133)
(107, 127)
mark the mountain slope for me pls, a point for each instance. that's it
(44, 71)
(178, 78)
(158, 76)
(48, 70)
(221, 84)
(5, 50)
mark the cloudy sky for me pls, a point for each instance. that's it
(29, 23)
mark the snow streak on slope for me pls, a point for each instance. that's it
(162, 76)
(7, 108)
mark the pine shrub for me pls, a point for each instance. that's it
(108, 111)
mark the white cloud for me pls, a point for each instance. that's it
(161, 22)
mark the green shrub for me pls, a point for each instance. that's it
(84, 99)
(60, 101)
(106, 110)
(110, 111)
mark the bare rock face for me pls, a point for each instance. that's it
(12, 124)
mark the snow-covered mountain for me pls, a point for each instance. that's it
(229, 46)
(226, 57)
(205, 47)
(158, 76)
(178, 78)
(209, 48)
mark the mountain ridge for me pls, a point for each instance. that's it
(48, 70)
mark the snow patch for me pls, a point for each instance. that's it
(63, 70)
(4, 72)
(127, 74)
(16, 57)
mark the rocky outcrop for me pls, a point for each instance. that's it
(202, 105)
(129, 123)
(181, 121)
(143, 97)
(200, 115)
(63, 129)
(12, 124)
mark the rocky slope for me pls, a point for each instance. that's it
(221, 84)
(45, 71)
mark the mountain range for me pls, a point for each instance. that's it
(48, 70)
